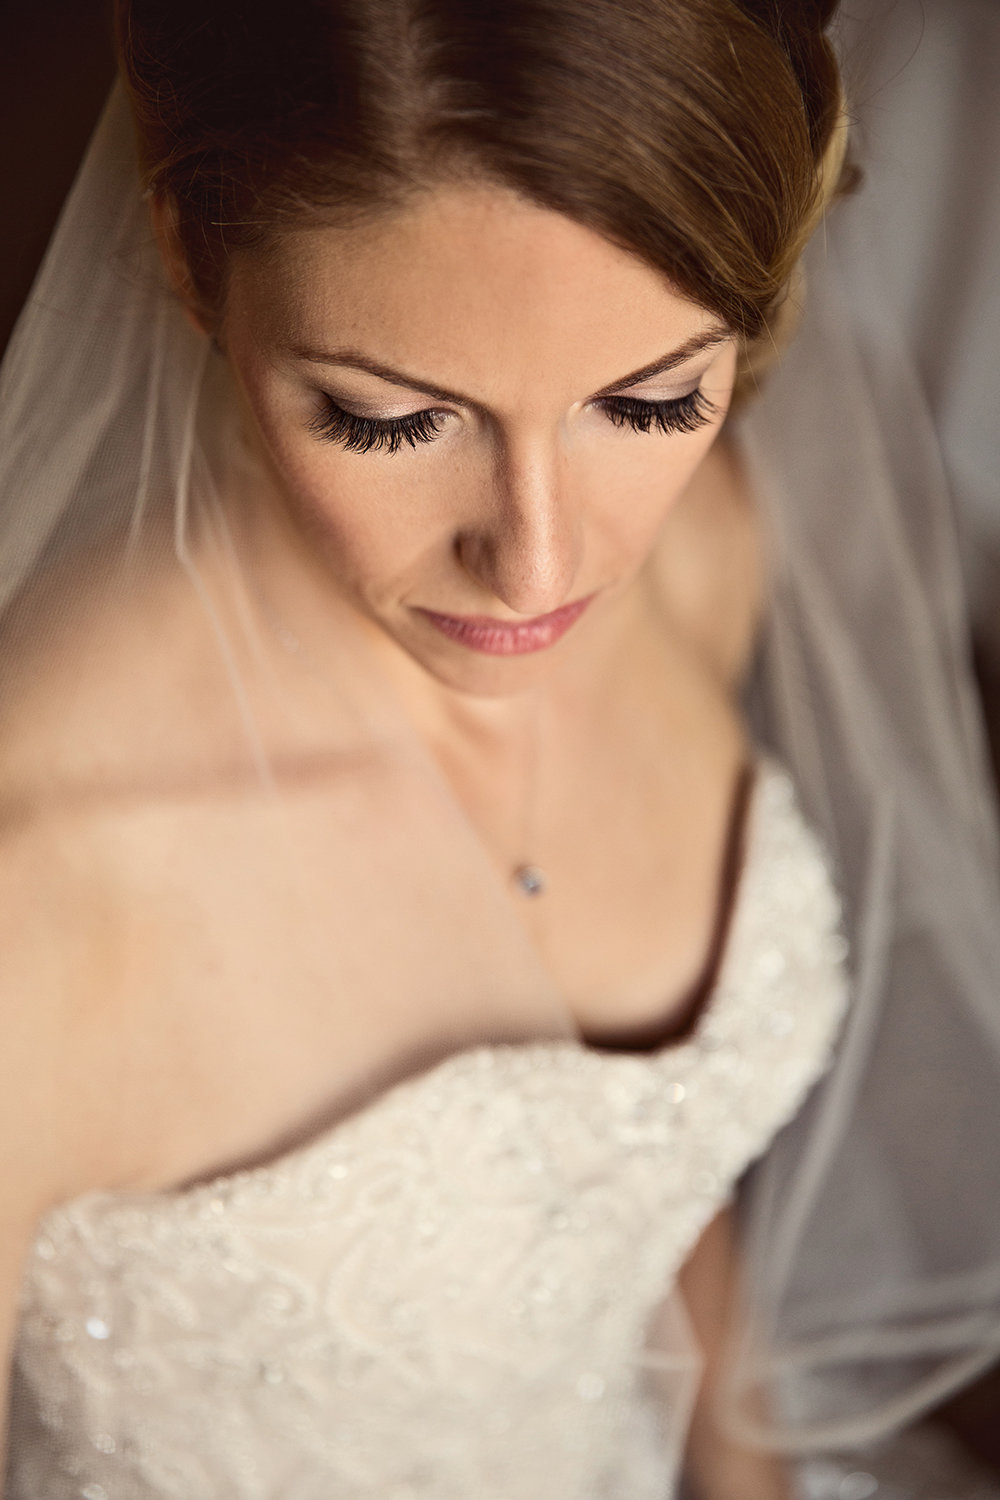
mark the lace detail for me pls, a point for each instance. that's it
(449, 1293)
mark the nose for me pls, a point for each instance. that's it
(526, 549)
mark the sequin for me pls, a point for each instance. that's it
(858, 1485)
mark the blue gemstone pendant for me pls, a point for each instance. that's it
(530, 880)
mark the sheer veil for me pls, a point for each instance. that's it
(874, 1237)
(121, 449)
(874, 1240)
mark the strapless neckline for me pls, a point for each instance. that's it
(681, 1019)
(492, 1235)
(758, 778)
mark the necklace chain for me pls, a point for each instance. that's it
(528, 878)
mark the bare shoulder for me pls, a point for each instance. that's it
(43, 991)
(104, 678)
(50, 1131)
(708, 567)
(53, 1097)
(104, 690)
(86, 708)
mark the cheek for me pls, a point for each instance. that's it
(377, 523)
(363, 526)
(385, 525)
(637, 483)
(324, 496)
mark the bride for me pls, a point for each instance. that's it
(408, 944)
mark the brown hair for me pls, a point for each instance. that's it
(696, 133)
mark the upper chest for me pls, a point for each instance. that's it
(246, 969)
(246, 965)
(626, 804)
(493, 1194)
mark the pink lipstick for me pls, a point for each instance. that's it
(508, 637)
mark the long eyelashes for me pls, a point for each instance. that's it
(373, 434)
(388, 434)
(685, 414)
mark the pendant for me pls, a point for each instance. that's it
(530, 880)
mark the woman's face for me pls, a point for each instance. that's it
(482, 413)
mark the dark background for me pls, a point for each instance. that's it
(56, 67)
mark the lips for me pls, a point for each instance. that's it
(507, 637)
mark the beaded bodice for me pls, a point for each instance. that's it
(450, 1293)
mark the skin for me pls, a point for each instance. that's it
(527, 499)
(621, 740)
(530, 497)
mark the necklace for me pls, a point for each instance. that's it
(530, 880)
(527, 877)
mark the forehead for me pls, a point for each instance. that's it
(470, 282)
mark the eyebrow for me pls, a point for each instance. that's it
(355, 359)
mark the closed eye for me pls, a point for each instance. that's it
(684, 414)
(373, 434)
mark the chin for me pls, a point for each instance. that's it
(459, 669)
(477, 675)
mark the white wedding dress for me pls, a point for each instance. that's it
(453, 1292)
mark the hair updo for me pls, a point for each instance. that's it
(699, 134)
